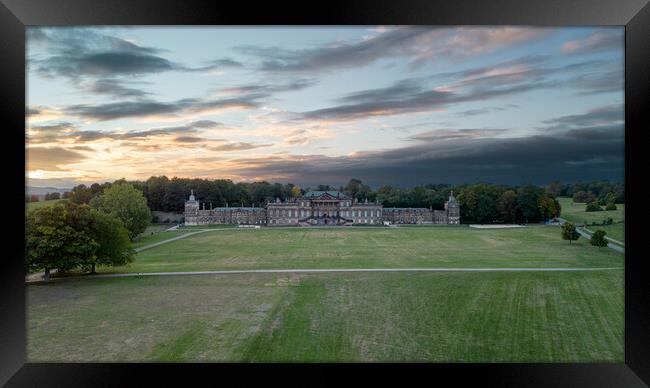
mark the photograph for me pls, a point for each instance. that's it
(325, 194)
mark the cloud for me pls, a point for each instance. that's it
(66, 132)
(57, 127)
(224, 63)
(188, 139)
(51, 158)
(145, 108)
(487, 109)
(400, 99)
(446, 134)
(115, 88)
(293, 85)
(39, 113)
(602, 40)
(536, 159)
(596, 83)
(81, 52)
(204, 124)
(603, 115)
(103, 64)
(239, 146)
(426, 94)
(417, 44)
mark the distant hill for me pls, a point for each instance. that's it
(41, 191)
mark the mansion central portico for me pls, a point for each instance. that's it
(326, 208)
(323, 208)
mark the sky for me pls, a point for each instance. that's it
(390, 105)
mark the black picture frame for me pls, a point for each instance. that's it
(15, 15)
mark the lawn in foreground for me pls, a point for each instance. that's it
(469, 317)
(278, 248)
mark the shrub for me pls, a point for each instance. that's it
(583, 197)
(598, 239)
(610, 206)
(593, 207)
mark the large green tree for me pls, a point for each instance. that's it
(507, 206)
(569, 232)
(548, 207)
(126, 203)
(528, 202)
(57, 237)
(114, 246)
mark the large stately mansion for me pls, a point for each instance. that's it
(331, 208)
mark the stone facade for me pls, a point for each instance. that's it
(222, 215)
(323, 208)
(328, 208)
(400, 215)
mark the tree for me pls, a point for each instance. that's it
(114, 246)
(548, 207)
(295, 192)
(81, 194)
(598, 239)
(610, 206)
(593, 206)
(507, 206)
(54, 195)
(126, 203)
(479, 202)
(569, 232)
(583, 197)
(528, 202)
(56, 238)
(356, 189)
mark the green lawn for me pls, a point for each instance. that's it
(268, 248)
(40, 204)
(143, 239)
(616, 231)
(468, 317)
(210, 226)
(575, 212)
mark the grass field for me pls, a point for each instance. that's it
(40, 204)
(274, 248)
(143, 239)
(471, 317)
(210, 226)
(405, 316)
(575, 212)
(616, 231)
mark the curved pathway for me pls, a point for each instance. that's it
(337, 270)
(197, 231)
(585, 234)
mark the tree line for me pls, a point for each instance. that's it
(480, 202)
(603, 192)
